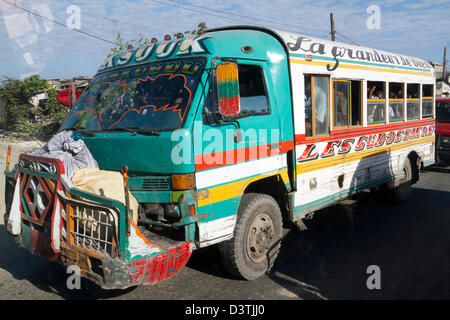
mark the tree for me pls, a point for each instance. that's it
(201, 25)
(21, 113)
(18, 94)
(122, 45)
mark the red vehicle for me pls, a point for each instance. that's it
(442, 130)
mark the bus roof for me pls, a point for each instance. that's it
(299, 46)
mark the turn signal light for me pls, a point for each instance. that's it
(8, 158)
(183, 181)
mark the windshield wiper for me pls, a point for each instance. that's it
(136, 130)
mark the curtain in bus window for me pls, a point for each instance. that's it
(356, 102)
(320, 105)
(340, 91)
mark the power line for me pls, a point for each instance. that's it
(186, 7)
(112, 20)
(244, 16)
(177, 6)
(58, 23)
(345, 37)
(193, 10)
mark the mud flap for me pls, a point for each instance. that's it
(14, 218)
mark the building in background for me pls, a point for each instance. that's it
(442, 85)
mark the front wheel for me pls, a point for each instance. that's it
(257, 236)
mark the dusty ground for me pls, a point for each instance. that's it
(410, 243)
(17, 148)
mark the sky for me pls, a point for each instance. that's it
(59, 47)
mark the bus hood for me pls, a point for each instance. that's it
(142, 154)
(443, 128)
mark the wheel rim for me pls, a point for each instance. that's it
(260, 237)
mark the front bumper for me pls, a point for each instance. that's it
(442, 146)
(52, 219)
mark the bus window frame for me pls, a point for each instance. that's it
(403, 100)
(385, 101)
(349, 104)
(427, 98)
(313, 75)
(413, 100)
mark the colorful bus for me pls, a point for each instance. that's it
(228, 136)
(442, 130)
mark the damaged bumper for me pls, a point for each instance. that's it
(52, 219)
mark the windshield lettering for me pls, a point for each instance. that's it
(155, 96)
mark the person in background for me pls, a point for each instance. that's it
(308, 107)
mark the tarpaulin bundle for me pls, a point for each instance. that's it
(105, 183)
(70, 149)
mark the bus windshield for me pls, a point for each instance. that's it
(443, 111)
(154, 96)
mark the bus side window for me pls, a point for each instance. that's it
(427, 100)
(252, 90)
(396, 102)
(316, 105)
(356, 103)
(412, 101)
(341, 90)
(347, 103)
(376, 102)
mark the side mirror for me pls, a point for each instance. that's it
(227, 82)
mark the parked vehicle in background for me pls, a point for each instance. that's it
(442, 130)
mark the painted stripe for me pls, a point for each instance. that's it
(236, 156)
(325, 201)
(362, 63)
(361, 67)
(297, 55)
(236, 188)
(354, 132)
(355, 156)
(227, 174)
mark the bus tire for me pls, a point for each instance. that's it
(256, 240)
(402, 191)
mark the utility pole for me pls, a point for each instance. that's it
(444, 65)
(333, 38)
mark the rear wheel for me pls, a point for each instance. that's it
(257, 235)
(402, 190)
